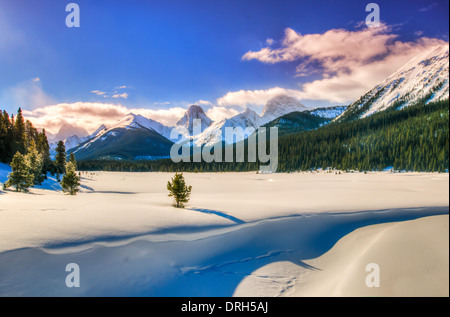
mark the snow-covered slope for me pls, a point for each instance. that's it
(132, 120)
(424, 76)
(244, 124)
(73, 141)
(5, 169)
(279, 106)
(328, 113)
(100, 129)
(50, 183)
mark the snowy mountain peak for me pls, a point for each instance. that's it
(248, 118)
(99, 129)
(68, 130)
(250, 113)
(243, 124)
(194, 112)
(279, 106)
(132, 120)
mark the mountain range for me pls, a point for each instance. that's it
(136, 137)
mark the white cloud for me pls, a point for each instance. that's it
(124, 95)
(168, 117)
(203, 103)
(90, 115)
(428, 8)
(350, 62)
(243, 98)
(220, 113)
(346, 87)
(36, 79)
(98, 92)
(269, 41)
(26, 94)
(114, 94)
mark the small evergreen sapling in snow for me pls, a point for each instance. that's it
(70, 180)
(21, 178)
(178, 190)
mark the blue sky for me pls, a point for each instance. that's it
(167, 54)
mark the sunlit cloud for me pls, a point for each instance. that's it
(90, 115)
(203, 103)
(26, 94)
(219, 113)
(428, 8)
(124, 95)
(258, 98)
(350, 62)
(98, 92)
(114, 94)
(269, 41)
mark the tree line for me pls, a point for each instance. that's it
(18, 135)
(28, 152)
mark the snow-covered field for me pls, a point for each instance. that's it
(242, 234)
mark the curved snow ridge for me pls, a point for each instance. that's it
(411, 257)
(171, 235)
(199, 233)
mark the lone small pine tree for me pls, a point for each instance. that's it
(70, 180)
(178, 190)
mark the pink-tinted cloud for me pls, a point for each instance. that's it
(351, 62)
(124, 95)
(90, 115)
(243, 98)
(219, 113)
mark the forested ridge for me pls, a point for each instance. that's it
(19, 135)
